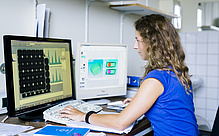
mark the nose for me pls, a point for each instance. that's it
(135, 46)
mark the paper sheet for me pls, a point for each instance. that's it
(41, 8)
(11, 129)
(96, 134)
(98, 128)
(46, 23)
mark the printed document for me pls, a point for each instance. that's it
(11, 129)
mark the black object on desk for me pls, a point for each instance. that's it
(215, 130)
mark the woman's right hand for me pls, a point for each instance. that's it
(127, 100)
(72, 113)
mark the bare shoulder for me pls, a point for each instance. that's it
(153, 85)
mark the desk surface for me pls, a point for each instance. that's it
(140, 126)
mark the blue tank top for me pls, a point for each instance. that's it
(173, 112)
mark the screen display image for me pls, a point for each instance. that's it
(95, 68)
(38, 73)
(101, 70)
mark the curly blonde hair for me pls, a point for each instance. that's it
(163, 47)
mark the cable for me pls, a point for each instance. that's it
(4, 119)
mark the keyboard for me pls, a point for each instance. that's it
(52, 114)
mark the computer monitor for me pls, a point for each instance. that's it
(38, 74)
(101, 70)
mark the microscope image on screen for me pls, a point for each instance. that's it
(33, 69)
(40, 71)
(95, 68)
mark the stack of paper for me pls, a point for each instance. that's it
(11, 129)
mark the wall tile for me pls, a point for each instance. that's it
(192, 69)
(190, 59)
(202, 37)
(212, 59)
(190, 48)
(212, 82)
(218, 97)
(210, 115)
(190, 37)
(201, 92)
(183, 45)
(200, 112)
(200, 103)
(212, 70)
(194, 98)
(201, 59)
(201, 70)
(182, 37)
(213, 37)
(201, 48)
(213, 48)
(212, 104)
(212, 93)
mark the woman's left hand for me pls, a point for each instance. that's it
(72, 113)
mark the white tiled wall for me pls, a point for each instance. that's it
(202, 58)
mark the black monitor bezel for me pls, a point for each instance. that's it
(9, 74)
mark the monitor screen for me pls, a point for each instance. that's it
(38, 73)
(101, 70)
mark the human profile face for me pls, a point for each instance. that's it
(140, 46)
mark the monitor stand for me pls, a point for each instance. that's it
(99, 101)
(35, 116)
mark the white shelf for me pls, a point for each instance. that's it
(141, 10)
(210, 28)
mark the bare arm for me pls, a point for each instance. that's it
(147, 94)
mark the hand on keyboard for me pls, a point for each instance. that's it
(72, 113)
(52, 114)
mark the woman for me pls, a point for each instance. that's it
(165, 94)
